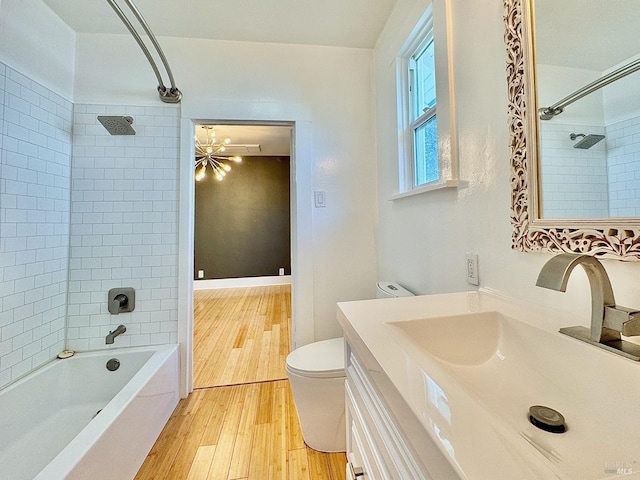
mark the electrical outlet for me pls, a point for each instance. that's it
(200, 273)
(281, 271)
(471, 264)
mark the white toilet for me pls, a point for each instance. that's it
(316, 374)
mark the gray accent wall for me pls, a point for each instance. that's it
(242, 224)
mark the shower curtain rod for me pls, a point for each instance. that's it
(557, 108)
(167, 95)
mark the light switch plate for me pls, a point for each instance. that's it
(471, 268)
(320, 198)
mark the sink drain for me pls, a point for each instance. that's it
(547, 419)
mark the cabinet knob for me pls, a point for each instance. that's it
(355, 472)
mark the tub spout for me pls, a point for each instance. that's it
(112, 335)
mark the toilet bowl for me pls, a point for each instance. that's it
(316, 374)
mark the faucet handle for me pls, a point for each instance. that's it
(622, 319)
(120, 300)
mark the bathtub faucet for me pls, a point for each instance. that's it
(112, 335)
(118, 302)
(121, 300)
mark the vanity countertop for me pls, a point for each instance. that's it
(471, 385)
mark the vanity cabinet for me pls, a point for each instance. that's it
(383, 435)
(375, 448)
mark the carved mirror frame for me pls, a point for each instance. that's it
(611, 237)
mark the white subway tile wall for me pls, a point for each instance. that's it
(35, 169)
(602, 181)
(623, 145)
(124, 226)
(574, 181)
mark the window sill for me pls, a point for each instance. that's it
(424, 189)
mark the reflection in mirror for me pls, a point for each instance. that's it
(589, 152)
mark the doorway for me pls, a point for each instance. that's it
(242, 253)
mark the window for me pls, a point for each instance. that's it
(427, 148)
(424, 128)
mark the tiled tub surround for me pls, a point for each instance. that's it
(603, 181)
(35, 169)
(574, 181)
(124, 226)
(623, 153)
(62, 251)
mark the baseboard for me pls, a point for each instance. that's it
(241, 282)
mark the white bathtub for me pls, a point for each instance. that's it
(50, 427)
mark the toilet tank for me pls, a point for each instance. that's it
(391, 290)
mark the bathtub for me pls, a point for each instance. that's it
(74, 419)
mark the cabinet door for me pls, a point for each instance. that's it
(363, 462)
(385, 447)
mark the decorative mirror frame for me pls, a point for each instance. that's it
(611, 238)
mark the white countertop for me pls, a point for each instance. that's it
(478, 414)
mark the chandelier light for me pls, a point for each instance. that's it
(208, 155)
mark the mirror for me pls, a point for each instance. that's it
(567, 199)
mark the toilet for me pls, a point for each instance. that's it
(316, 374)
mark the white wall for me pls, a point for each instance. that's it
(555, 83)
(422, 240)
(34, 41)
(35, 169)
(325, 90)
(622, 97)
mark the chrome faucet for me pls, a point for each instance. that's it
(608, 320)
(112, 335)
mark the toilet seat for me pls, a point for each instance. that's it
(324, 359)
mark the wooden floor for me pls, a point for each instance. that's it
(241, 335)
(246, 431)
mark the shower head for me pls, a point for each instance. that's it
(117, 125)
(587, 141)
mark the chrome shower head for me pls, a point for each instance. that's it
(117, 125)
(587, 141)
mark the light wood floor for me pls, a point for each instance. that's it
(248, 431)
(241, 335)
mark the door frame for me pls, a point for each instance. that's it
(300, 186)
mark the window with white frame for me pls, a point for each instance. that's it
(427, 149)
(422, 101)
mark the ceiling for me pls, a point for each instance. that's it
(585, 33)
(252, 140)
(339, 23)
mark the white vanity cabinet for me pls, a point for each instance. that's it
(379, 447)
(375, 448)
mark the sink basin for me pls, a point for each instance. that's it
(470, 366)
(470, 339)
(492, 367)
